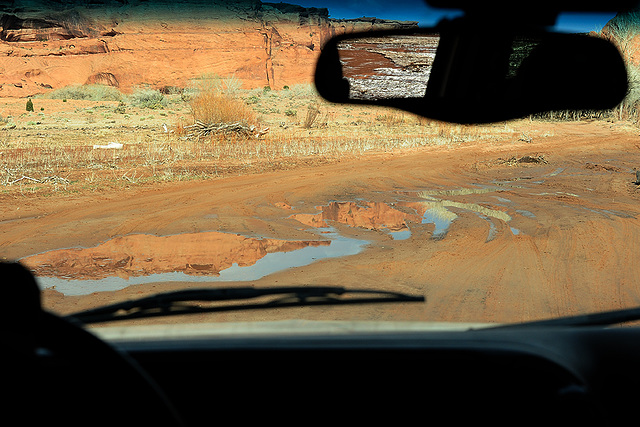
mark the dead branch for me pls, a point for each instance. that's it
(200, 130)
(47, 179)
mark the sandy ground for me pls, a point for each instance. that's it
(569, 245)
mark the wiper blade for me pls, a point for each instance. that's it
(190, 301)
(605, 318)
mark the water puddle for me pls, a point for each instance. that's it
(526, 213)
(458, 192)
(556, 172)
(438, 215)
(215, 256)
(557, 193)
(502, 199)
(493, 230)
(395, 218)
(375, 216)
(400, 235)
(473, 207)
(192, 257)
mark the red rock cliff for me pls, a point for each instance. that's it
(126, 44)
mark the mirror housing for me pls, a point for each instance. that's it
(480, 73)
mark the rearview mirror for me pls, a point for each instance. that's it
(461, 73)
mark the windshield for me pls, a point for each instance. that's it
(148, 147)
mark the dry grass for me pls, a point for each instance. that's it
(52, 151)
(214, 107)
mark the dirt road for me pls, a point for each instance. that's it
(497, 232)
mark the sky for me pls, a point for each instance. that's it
(417, 10)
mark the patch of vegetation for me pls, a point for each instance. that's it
(121, 108)
(148, 98)
(312, 114)
(252, 100)
(213, 106)
(85, 93)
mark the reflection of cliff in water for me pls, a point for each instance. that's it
(204, 254)
(396, 218)
(369, 215)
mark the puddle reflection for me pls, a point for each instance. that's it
(368, 215)
(215, 256)
(438, 215)
(194, 257)
(395, 218)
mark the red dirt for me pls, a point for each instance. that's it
(578, 254)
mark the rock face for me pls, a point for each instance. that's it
(125, 43)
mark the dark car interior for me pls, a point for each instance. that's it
(570, 371)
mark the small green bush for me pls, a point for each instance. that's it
(252, 100)
(120, 109)
(148, 98)
(85, 93)
(29, 105)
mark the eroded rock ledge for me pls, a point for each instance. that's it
(49, 44)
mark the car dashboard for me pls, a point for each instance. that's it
(356, 373)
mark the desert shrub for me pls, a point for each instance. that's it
(86, 93)
(148, 98)
(304, 91)
(252, 100)
(391, 118)
(29, 105)
(121, 108)
(312, 114)
(214, 106)
(170, 90)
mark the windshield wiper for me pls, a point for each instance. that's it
(605, 318)
(190, 301)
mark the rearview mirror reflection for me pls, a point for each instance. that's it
(388, 67)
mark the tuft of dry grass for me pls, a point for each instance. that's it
(312, 114)
(214, 107)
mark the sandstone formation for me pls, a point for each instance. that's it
(49, 44)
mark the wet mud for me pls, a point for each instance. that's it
(481, 239)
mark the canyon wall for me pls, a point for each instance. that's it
(49, 44)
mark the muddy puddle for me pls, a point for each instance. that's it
(422, 207)
(216, 256)
(191, 257)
